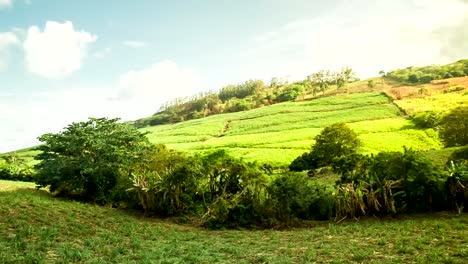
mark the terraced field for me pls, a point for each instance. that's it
(279, 133)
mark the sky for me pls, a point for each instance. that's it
(63, 61)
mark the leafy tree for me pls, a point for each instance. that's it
(371, 84)
(275, 82)
(335, 140)
(343, 77)
(290, 93)
(454, 127)
(88, 159)
(320, 81)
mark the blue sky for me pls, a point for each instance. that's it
(63, 61)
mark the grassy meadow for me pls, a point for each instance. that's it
(36, 228)
(277, 134)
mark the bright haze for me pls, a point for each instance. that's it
(64, 61)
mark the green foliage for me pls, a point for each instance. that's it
(351, 167)
(393, 181)
(428, 119)
(428, 73)
(167, 183)
(238, 105)
(289, 93)
(222, 190)
(233, 191)
(335, 140)
(304, 162)
(88, 159)
(295, 195)
(320, 81)
(241, 91)
(14, 167)
(457, 185)
(454, 127)
(459, 155)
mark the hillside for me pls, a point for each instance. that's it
(277, 134)
(37, 228)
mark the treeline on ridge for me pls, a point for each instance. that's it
(245, 96)
(426, 74)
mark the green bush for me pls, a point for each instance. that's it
(233, 191)
(16, 169)
(389, 182)
(304, 162)
(88, 159)
(171, 187)
(459, 155)
(454, 127)
(352, 168)
(294, 195)
(428, 119)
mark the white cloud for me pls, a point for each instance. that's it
(374, 38)
(139, 95)
(162, 81)
(5, 3)
(134, 44)
(7, 40)
(102, 53)
(56, 52)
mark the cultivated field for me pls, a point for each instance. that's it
(438, 96)
(279, 133)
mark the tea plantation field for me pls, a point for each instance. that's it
(277, 134)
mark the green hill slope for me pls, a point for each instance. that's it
(277, 134)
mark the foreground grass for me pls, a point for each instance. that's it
(36, 228)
